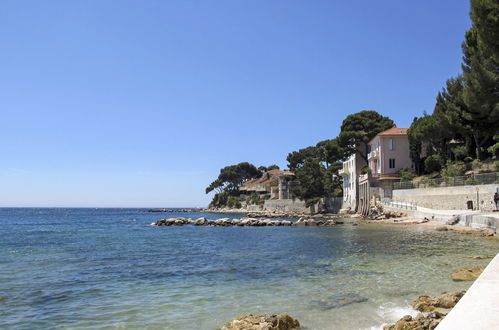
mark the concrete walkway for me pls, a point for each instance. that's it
(479, 308)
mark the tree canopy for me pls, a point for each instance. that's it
(233, 176)
(481, 73)
(359, 128)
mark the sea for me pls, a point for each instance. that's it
(81, 268)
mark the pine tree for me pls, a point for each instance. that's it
(481, 72)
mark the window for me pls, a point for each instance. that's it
(392, 163)
(391, 144)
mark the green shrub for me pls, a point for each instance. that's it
(433, 163)
(365, 170)
(454, 169)
(460, 152)
(255, 199)
(494, 150)
(233, 202)
(497, 165)
(406, 175)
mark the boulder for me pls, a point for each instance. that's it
(441, 228)
(445, 300)
(448, 300)
(423, 304)
(421, 322)
(467, 273)
(262, 322)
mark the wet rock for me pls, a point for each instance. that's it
(467, 273)
(427, 321)
(262, 322)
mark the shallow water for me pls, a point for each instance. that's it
(95, 268)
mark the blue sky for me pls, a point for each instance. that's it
(140, 103)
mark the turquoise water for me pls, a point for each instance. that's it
(96, 268)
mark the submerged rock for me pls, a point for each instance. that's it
(262, 322)
(339, 300)
(480, 257)
(467, 273)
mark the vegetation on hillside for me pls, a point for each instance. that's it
(465, 119)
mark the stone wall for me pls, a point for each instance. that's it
(450, 198)
(332, 205)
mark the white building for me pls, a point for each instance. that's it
(352, 167)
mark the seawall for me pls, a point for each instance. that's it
(479, 197)
(478, 309)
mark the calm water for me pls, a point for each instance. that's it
(95, 268)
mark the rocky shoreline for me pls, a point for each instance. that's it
(248, 222)
(432, 312)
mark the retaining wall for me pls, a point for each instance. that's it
(450, 198)
(332, 205)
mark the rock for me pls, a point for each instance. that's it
(423, 304)
(480, 257)
(262, 322)
(445, 300)
(448, 300)
(452, 221)
(420, 322)
(441, 228)
(339, 300)
(467, 273)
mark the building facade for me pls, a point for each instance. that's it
(389, 153)
(350, 172)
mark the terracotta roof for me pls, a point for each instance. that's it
(268, 177)
(394, 131)
(388, 178)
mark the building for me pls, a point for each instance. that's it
(350, 172)
(274, 183)
(388, 154)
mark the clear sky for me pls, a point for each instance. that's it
(140, 103)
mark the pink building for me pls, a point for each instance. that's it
(388, 154)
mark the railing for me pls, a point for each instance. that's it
(401, 205)
(476, 179)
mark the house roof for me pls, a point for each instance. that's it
(394, 131)
(268, 177)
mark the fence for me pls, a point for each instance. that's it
(401, 205)
(476, 179)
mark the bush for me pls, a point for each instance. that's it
(233, 202)
(454, 169)
(433, 163)
(406, 175)
(497, 165)
(494, 150)
(365, 170)
(460, 152)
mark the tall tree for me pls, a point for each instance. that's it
(232, 177)
(481, 72)
(360, 128)
(309, 184)
(296, 159)
(330, 151)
